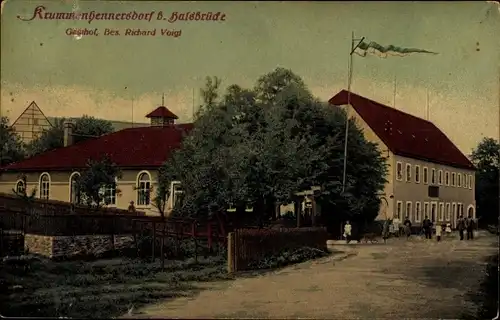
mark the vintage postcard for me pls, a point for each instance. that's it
(348, 150)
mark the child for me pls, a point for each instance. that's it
(347, 231)
(439, 229)
(448, 229)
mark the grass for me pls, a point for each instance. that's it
(97, 289)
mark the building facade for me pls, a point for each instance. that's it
(139, 152)
(31, 123)
(427, 174)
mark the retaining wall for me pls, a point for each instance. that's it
(68, 246)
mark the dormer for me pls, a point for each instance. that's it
(161, 116)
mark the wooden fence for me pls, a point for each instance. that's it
(249, 245)
(52, 207)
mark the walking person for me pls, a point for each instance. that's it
(385, 230)
(439, 230)
(347, 231)
(461, 226)
(469, 225)
(396, 223)
(427, 225)
(407, 226)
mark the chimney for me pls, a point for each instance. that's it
(68, 132)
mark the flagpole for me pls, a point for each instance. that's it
(394, 96)
(427, 105)
(349, 82)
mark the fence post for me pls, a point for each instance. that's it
(209, 234)
(230, 252)
(153, 242)
(193, 232)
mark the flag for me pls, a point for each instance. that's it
(497, 3)
(365, 48)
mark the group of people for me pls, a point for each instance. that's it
(464, 226)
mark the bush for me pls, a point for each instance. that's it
(487, 297)
(287, 257)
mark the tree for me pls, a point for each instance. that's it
(261, 146)
(85, 128)
(486, 158)
(10, 144)
(97, 183)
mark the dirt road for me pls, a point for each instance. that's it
(412, 279)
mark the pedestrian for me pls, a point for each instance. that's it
(469, 224)
(347, 231)
(448, 229)
(461, 226)
(385, 230)
(439, 229)
(131, 207)
(427, 225)
(407, 224)
(397, 226)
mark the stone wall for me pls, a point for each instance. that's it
(68, 246)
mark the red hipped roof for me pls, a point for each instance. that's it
(404, 134)
(162, 112)
(146, 147)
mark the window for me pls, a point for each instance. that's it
(108, 194)
(426, 175)
(440, 177)
(417, 174)
(74, 188)
(426, 209)
(20, 187)
(35, 121)
(460, 208)
(417, 212)
(447, 178)
(433, 176)
(459, 180)
(44, 186)
(454, 210)
(408, 172)
(143, 189)
(465, 181)
(433, 211)
(470, 181)
(408, 209)
(441, 212)
(177, 194)
(399, 209)
(453, 179)
(399, 171)
(448, 212)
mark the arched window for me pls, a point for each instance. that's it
(74, 188)
(20, 187)
(143, 189)
(44, 186)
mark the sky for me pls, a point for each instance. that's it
(123, 77)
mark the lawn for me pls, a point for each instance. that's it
(97, 289)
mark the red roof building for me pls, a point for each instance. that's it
(427, 174)
(405, 134)
(138, 152)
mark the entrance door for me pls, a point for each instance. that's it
(433, 212)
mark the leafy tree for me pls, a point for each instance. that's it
(261, 146)
(11, 146)
(85, 128)
(486, 158)
(96, 181)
